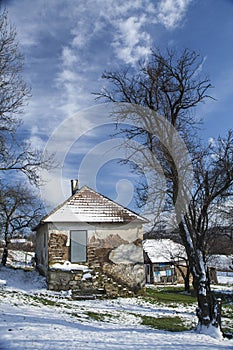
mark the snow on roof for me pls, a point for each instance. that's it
(221, 262)
(87, 205)
(163, 250)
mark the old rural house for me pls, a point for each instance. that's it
(91, 244)
(162, 257)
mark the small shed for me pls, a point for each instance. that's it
(91, 243)
(161, 257)
(221, 268)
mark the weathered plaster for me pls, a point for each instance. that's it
(116, 250)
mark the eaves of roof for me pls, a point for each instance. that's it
(89, 206)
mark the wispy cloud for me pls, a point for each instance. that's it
(131, 42)
(67, 46)
(171, 12)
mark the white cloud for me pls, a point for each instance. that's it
(200, 67)
(68, 56)
(68, 45)
(212, 141)
(67, 75)
(86, 37)
(131, 42)
(171, 12)
(36, 142)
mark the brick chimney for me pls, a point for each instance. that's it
(74, 186)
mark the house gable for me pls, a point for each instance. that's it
(86, 205)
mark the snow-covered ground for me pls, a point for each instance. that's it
(33, 318)
(19, 258)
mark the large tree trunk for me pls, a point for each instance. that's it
(209, 308)
(5, 250)
(4, 256)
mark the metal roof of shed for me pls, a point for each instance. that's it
(163, 250)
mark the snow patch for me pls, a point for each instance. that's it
(86, 276)
(212, 331)
(68, 266)
(18, 279)
(2, 283)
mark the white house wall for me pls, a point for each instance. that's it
(129, 232)
(66, 227)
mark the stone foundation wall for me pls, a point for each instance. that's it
(68, 280)
(97, 284)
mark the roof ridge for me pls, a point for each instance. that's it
(111, 200)
(118, 207)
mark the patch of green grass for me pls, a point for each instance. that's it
(168, 296)
(227, 319)
(227, 311)
(101, 317)
(227, 329)
(96, 316)
(172, 324)
(38, 299)
(76, 315)
(45, 301)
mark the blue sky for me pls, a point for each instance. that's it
(69, 44)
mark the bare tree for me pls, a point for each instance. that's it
(15, 154)
(19, 208)
(19, 211)
(167, 89)
(220, 235)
